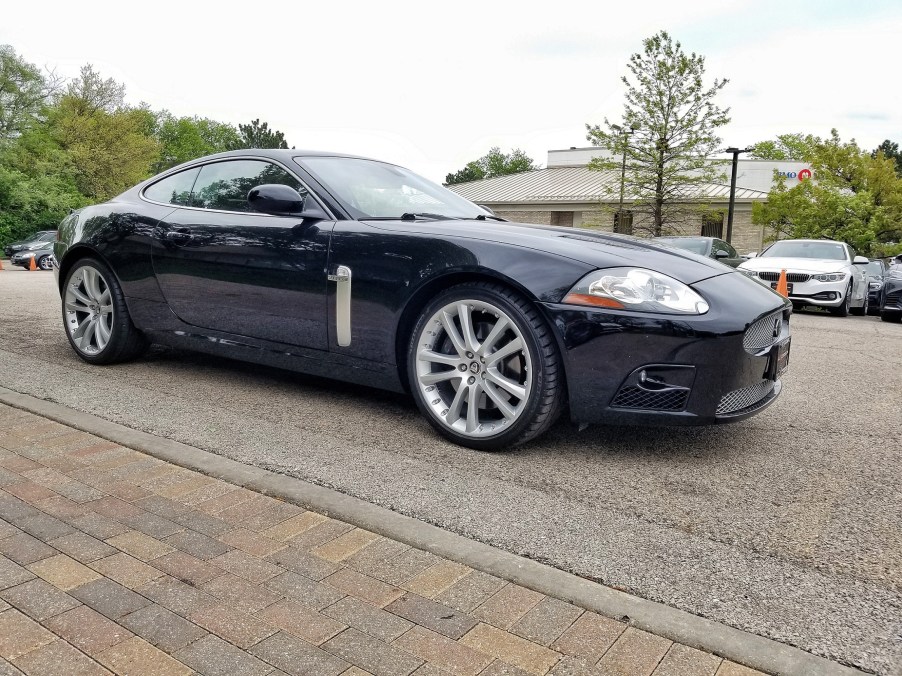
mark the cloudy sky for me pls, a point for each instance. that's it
(434, 85)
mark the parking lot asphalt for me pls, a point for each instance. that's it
(788, 525)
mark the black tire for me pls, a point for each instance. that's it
(894, 317)
(45, 263)
(844, 309)
(534, 367)
(124, 341)
(860, 311)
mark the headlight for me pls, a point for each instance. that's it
(636, 289)
(875, 285)
(750, 273)
(830, 277)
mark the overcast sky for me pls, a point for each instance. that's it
(434, 85)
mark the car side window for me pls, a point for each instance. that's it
(175, 189)
(224, 185)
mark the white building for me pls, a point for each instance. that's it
(567, 193)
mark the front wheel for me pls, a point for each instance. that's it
(96, 317)
(843, 310)
(484, 367)
(895, 317)
(45, 263)
(860, 311)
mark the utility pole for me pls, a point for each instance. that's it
(735, 152)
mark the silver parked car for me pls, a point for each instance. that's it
(819, 272)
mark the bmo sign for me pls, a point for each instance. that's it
(802, 174)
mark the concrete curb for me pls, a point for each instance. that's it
(677, 625)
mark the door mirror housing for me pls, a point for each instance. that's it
(275, 199)
(860, 260)
(721, 254)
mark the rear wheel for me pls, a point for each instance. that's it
(96, 317)
(484, 368)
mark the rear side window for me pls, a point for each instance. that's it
(225, 185)
(175, 189)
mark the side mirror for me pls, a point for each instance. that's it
(275, 199)
(751, 254)
(721, 254)
(485, 208)
(860, 260)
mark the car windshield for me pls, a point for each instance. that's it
(699, 246)
(831, 251)
(370, 189)
(874, 268)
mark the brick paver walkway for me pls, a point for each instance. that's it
(111, 560)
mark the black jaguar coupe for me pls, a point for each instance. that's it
(362, 271)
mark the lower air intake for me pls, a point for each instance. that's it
(744, 397)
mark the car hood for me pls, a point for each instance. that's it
(598, 249)
(810, 265)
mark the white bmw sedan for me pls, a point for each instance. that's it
(819, 272)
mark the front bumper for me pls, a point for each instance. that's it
(22, 259)
(806, 290)
(647, 369)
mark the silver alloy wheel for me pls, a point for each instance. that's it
(89, 310)
(473, 368)
(46, 263)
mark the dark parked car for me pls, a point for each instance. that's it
(362, 271)
(876, 271)
(712, 247)
(891, 296)
(42, 254)
(37, 238)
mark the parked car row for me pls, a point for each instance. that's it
(37, 240)
(41, 253)
(820, 273)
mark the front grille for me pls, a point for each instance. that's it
(794, 277)
(762, 333)
(744, 397)
(665, 400)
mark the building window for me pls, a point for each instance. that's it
(563, 218)
(624, 225)
(712, 224)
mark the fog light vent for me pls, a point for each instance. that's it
(665, 400)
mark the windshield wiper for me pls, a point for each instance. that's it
(408, 216)
(485, 217)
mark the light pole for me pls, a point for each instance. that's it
(625, 134)
(735, 152)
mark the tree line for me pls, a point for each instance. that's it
(66, 144)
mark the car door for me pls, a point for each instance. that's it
(224, 267)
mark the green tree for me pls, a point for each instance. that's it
(259, 135)
(890, 151)
(106, 142)
(24, 91)
(493, 163)
(674, 121)
(186, 138)
(800, 147)
(855, 197)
